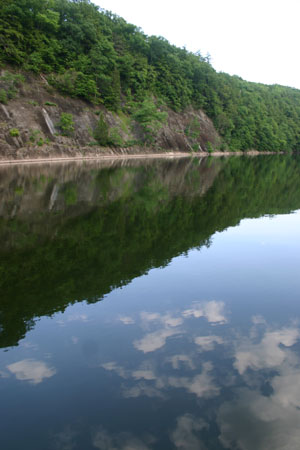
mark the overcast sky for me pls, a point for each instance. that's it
(257, 40)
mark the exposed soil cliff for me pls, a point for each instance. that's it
(29, 127)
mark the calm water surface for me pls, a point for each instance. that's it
(150, 305)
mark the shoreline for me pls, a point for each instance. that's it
(120, 156)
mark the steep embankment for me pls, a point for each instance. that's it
(39, 122)
(150, 92)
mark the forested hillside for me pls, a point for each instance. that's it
(86, 52)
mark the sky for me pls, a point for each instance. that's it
(257, 40)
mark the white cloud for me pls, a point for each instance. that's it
(287, 387)
(201, 385)
(31, 370)
(126, 320)
(143, 374)
(149, 317)
(119, 441)
(257, 320)
(142, 390)
(275, 420)
(268, 353)
(208, 342)
(112, 366)
(153, 341)
(186, 434)
(78, 317)
(173, 321)
(3, 374)
(167, 320)
(213, 311)
(177, 359)
(66, 439)
(73, 318)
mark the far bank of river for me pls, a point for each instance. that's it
(104, 154)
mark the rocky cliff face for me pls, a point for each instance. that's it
(29, 127)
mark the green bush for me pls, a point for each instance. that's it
(66, 124)
(3, 97)
(9, 83)
(209, 147)
(149, 118)
(223, 147)
(34, 135)
(12, 79)
(101, 131)
(50, 104)
(193, 129)
(19, 190)
(76, 84)
(14, 132)
(115, 138)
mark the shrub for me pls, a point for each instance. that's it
(34, 135)
(13, 79)
(50, 104)
(14, 132)
(149, 118)
(9, 83)
(209, 147)
(115, 138)
(101, 131)
(3, 96)
(223, 147)
(193, 129)
(19, 190)
(75, 84)
(66, 124)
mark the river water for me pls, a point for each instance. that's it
(150, 304)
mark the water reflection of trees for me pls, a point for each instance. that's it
(75, 232)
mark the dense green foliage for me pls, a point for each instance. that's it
(9, 84)
(133, 219)
(101, 131)
(66, 124)
(90, 53)
(149, 118)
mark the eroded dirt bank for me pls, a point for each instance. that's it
(30, 127)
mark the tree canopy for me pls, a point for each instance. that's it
(88, 52)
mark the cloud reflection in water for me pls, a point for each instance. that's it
(257, 418)
(31, 370)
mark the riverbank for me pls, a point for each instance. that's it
(39, 123)
(113, 154)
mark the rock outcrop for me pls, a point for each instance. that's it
(29, 127)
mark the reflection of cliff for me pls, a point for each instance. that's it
(74, 232)
(29, 194)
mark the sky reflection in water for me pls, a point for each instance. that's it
(200, 354)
